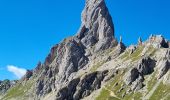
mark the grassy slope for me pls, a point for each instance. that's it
(162, 91)
(114, 86)
(18, 91)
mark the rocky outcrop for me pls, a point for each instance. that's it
(158, 41)
(6, 84)
(97, 26)
(52, 55)
(80, 88)
(146, 66)
(68, 91)
(137, 84)
(164, 66)
(69, 57)
(38, 68)
(131, 76)
(140, 41)
(135, 76)
(28, 74)
(88, 84)
(73, 59)
(163, 54)
(121, 47)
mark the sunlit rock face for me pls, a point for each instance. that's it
(97, 26)
(92, 65)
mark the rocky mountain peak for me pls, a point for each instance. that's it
(92, 11)
(93, 66)
(97, 26)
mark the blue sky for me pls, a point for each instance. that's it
(29, 28)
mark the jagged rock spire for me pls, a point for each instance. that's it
(140, 41)
(96, 15)
(120, 39)
(97, 25)
(121, 46)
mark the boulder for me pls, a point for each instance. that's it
(131, 76)
(146, 66)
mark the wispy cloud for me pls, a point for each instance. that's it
(18, 72)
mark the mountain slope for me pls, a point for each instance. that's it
(93, 65)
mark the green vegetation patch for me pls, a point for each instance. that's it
(137, 54)
(104, 94)
(114, 86)
(162, 91)
(111, 88)
(125, 55)
(133, 96)
(18, 91)
(134, 56)
(151, 82)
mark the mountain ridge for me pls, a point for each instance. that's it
(94, 65)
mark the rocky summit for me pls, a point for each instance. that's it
(93, 65)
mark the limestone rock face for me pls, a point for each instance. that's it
(93, 64)
(131, 76)
(88, 84)
(97, 26)
(121, 48)
(73, 59)
(135, 76)
(163, 54)
(137, 84)
(68, 91)
(68, 57)
(158, 41)
(164, 67)
(6, 84)
(71, 55)
(28, 74)
(80, 88)
(146, 66)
